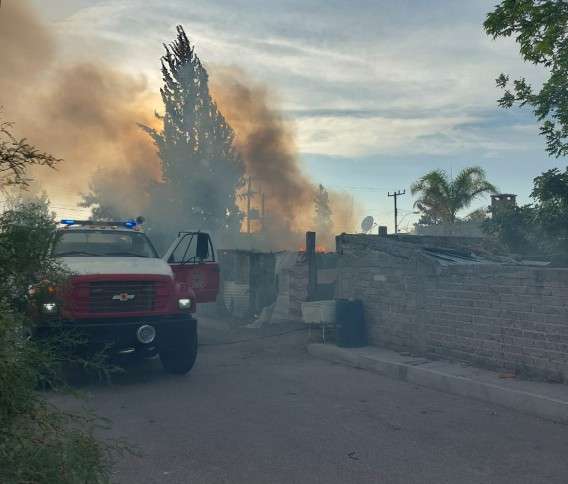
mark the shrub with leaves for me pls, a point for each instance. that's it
(539, 28)
(514, 228)
(17, 155)
(38, 442)
(539, 228)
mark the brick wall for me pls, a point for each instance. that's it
(489, 314)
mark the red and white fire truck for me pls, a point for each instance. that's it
(122, 294)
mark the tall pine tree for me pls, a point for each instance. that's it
(201, 168)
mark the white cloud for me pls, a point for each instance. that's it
(353, 137)
(429, 61)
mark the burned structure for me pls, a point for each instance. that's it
(248, 281)
(272, 285)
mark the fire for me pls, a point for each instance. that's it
(320, 249)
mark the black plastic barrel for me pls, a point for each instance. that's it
(350, 329)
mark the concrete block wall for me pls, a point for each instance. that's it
(491, 315)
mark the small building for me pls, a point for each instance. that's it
(503, 200)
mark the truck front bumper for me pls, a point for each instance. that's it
(122, 334)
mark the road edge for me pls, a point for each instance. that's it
(526, 402)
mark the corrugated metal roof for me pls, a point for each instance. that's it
(450, 256)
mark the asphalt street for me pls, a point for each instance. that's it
(258, 409)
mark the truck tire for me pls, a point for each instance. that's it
(180, 357)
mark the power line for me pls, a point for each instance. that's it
(372, 189)
(72, 209)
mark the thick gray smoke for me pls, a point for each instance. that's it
(267, 142)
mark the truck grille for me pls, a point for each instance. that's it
(121, 296)
(118, 296)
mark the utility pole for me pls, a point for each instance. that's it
(249, 194)
(254, 213)
(395, 195)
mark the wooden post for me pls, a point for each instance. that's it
(312, 264)
(262, 212)
(249, 195)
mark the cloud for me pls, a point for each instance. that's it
(354, 137)
(362, 57)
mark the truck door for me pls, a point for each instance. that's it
(192, 259)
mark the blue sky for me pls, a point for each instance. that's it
(379, 91)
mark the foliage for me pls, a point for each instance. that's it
(479, 215)
(540, 228)
(38, 442)
(428, 219)
(29, 225)
(540, 29)
(514, 228)
(550, 193)
(323, 211)
(202, 171)
(17, 155)
(441, 198)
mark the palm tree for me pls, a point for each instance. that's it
(441, 198)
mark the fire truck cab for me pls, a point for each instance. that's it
(120, 293)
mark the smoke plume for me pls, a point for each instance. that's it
(267, 142)
(86, 114)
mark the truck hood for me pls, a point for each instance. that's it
(116, 265)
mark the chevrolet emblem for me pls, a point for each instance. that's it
(123, 297)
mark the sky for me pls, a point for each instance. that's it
(379, 91)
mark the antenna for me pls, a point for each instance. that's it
(367, 224)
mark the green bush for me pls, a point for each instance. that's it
(538, 229)
(38, 442)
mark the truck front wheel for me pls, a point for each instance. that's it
(180, 357)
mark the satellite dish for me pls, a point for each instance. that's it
(367, 224)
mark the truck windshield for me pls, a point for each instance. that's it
(103, 243)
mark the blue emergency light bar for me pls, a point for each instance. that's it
(108, 223)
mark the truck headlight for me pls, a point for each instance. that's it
(184, 303)
(49, 308)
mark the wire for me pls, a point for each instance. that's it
(75, 209)
(266, 336)
(372, 189)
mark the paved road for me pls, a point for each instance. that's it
(264, 411)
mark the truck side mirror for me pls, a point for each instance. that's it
(202, 249)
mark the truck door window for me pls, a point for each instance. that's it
(186, 250)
